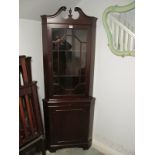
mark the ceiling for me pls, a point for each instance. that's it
(32, 9)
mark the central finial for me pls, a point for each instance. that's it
(70, 13)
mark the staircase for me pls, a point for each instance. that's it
(120, 33)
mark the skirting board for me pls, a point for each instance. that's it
(106, 149)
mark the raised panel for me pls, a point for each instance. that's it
(70, 124)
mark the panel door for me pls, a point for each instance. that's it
(70, 124)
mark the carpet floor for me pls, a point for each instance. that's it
(75, 151)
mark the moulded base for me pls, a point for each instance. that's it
(85, 146)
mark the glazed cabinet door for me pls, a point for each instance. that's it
(68, 60)
(70, 124)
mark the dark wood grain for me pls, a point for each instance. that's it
(68, 118)
(30, 129)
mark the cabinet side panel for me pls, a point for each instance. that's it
(92, 57)
(91, 119)
(45, 58)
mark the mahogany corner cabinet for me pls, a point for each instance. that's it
(68, 56)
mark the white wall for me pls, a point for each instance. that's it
(113, 87)
(30, 44)
(32, 9)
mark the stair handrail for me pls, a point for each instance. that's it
(123, 26)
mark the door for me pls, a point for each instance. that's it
(69, 53)
(71, 124)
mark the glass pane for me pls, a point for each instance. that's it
(69, 60)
